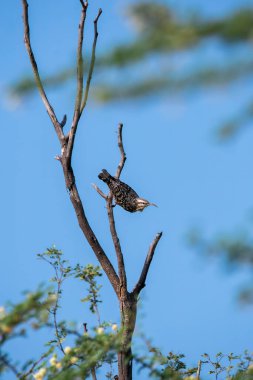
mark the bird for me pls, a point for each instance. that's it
(123, 194)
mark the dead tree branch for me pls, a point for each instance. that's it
(100, 192)
(122, 151)
(79, 93)
(142, 280)
(115, 238)
(67, 143)
(92, 62)
(37, 78)
(109, 198)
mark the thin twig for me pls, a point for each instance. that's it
(79, 91)
(38, 81)
(55, 308)
(92, 62)
(68, 331)
(9, 365)
(100, 192)
(141, 282)
(59, 280)
(34, 365)
(122, 151)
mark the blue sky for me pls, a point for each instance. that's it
(189, 304)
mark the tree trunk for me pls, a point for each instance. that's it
(128, 310)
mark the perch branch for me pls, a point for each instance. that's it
(141, 282)
(37, 78)
(66, 162)
(115, 238)
(117, 246)
(109, 198)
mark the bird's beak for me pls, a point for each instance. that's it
(152, 204)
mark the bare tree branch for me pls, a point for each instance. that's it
(100, 192)
(117, 246)
(92, 62)
(115, 238)
(128, 301)
(141, 282)
(38, 81)
(79, 91)
(122, 151)
(65, 160)
(109, 198)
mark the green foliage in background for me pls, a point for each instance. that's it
(162, 37)
(236, 251)
(96, 348)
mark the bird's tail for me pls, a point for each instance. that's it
(104, 176)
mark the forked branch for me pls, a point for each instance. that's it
(67, 142)
(81, 100)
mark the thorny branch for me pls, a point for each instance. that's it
(59, 278)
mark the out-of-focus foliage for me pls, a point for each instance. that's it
(236, 250)
(161, 35)
(96, 348)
